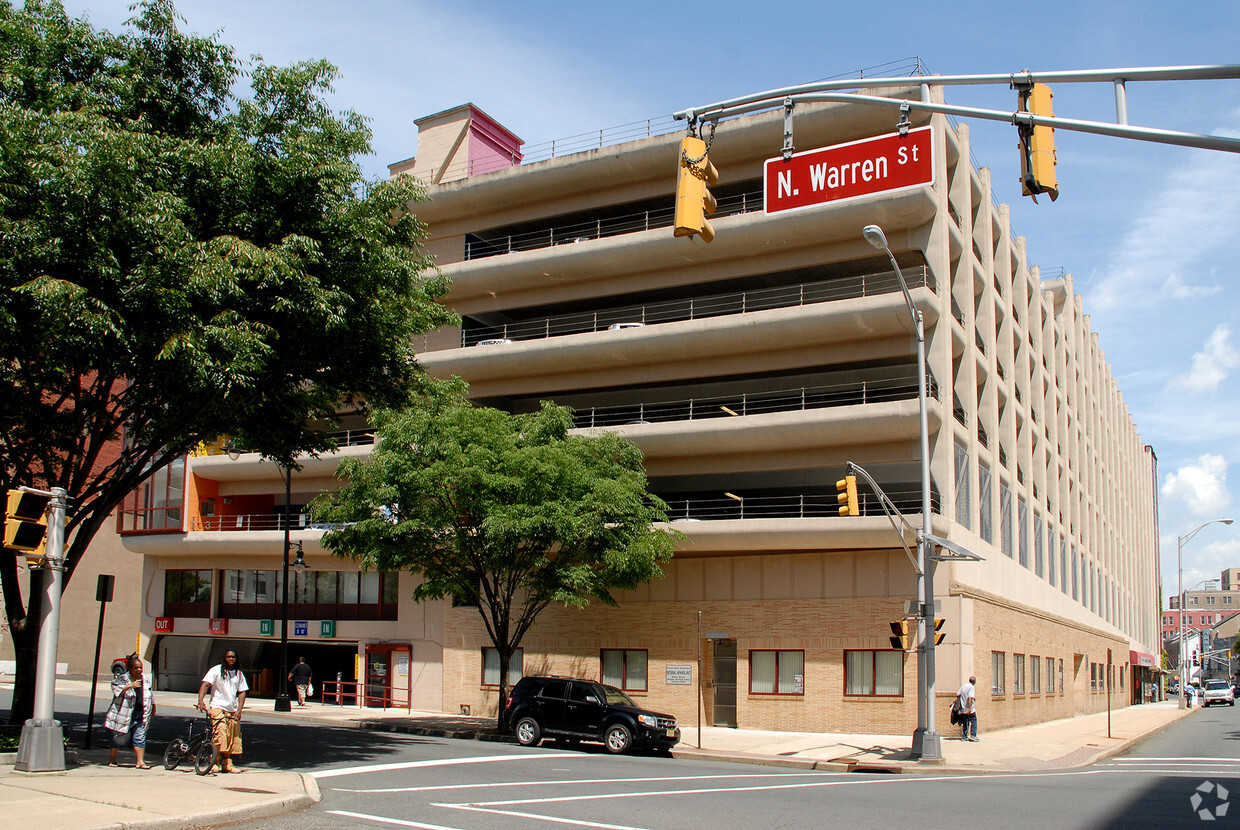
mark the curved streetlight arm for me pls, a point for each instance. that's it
(1186, 538)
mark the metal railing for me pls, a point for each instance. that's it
(355, 693)
(477, 247)
(727, 406)
(344, 438)
(257, 521)
(718, 305)
(802, 506)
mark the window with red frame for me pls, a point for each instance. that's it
(156, 506)
(776, 672)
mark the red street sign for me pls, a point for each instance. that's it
(217, 625)
(163, 625)
(885, 164)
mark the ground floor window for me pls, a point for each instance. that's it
(187, 593)
(1018, 674)
(998, 676)
(777, 672)
(625, 668)
(316, 595)
(874, 673)
(1035, 675)
(490, 666)
(1050, 675)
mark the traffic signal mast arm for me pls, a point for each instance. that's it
(824, 91)
(892, 512)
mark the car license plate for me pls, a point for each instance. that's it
(671, 733)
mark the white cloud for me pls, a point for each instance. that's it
(1202, 487)
(1210, 365)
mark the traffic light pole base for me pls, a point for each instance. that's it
(283, 704)
(927, 748)
(41, 747)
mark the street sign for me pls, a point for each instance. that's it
(883, 164)
(327, 628)
(266, 628)
(301, 628)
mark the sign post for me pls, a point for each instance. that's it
(103, 595)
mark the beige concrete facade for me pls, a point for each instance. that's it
(765, 363)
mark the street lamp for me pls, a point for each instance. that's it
(1179, 561)
(926, 741)
(283, 704)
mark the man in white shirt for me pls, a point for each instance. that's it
(966, 703)
(227, 685)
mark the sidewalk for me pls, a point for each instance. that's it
(91, 795)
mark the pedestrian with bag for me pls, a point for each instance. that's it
(228, 688)
(133, 706)
(965, 710)
(300, 677)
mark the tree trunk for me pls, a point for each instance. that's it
(25, 634)
(501, 725)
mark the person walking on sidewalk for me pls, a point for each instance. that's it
(300, 677)
(966, 701)
(131, 711)
(228, 688)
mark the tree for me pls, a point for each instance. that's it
(178, 262)
(509, 512)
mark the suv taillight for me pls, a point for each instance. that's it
(508, 703)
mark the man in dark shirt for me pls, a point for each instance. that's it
(300, 677)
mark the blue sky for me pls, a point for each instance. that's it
(1145, 229)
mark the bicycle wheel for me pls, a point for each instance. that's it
(174, 753)
(205, 758)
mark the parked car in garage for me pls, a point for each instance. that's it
(1218, 692)
(577, 709)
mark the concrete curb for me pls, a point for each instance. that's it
(271, 808)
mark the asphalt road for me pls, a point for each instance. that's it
(372, 779)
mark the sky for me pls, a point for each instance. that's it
(1143, 228)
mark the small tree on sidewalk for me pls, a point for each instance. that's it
(508, 512)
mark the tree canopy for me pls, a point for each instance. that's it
(181, 260)
(509, 511)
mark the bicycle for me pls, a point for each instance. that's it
(196, 746)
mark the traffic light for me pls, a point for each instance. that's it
(899, 638)
(1037, 145)
(847, 487)
(25, 521)
(939, 634)
(694, 201)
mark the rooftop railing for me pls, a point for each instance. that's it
(804, 506)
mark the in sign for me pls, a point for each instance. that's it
(884, 164)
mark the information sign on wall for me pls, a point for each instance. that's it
(679, 675)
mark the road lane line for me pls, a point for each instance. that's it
(545, 782)
(538, 817)
(446, 762)
(396, 821)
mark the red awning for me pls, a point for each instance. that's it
(1137, 658)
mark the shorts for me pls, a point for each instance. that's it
(226, 731)
(135, 736)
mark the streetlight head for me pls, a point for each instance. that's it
(874, 235)
(1226, 521)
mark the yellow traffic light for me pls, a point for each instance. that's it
(899, 638)
(25, 521)
(1037, 145)
(939, 634)
(847, 487)
(694, 201)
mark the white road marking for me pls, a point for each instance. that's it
(555, 819)
(396, 821)
(895, 780)
(550, 782)
(446, 762)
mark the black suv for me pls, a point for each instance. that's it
(569, 707)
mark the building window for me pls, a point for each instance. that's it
(1005, 520)
(187, 593)
(1093, 677)
(963, 506)
(1061, 675)
(315, 595)
(998, 678)
(1039, 557)
(777, 672)
(1227, 600)
(1035, 675)
(625, 668)
(985, 505)
(1050, 675)
(1194, 600)
(155, 505)
(1063, 565)
(1076, 577)
(1018, 674)
(490, 666)
(1022, 533)
(1209, 600)
(874, 673)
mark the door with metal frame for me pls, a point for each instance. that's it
(723, 683)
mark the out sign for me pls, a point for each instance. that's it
(884, 164)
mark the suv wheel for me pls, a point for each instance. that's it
(528, 732)
(618, 738)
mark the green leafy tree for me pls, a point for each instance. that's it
(178, 262)
(510, 512)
